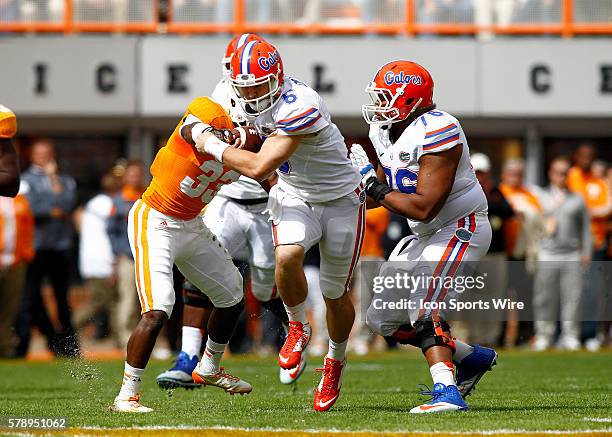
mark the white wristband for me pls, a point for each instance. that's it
(215, 147)
(197, 129)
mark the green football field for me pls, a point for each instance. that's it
(525, 392)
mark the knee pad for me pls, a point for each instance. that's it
(193, 297)
(262, 283)
(378, 325)
(433, 333)
(405, 334)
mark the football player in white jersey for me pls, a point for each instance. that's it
(425, 175)
(318, 199)
(236, 216)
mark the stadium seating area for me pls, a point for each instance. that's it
(426, 18)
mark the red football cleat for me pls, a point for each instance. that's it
(328, 390)
(290, 355)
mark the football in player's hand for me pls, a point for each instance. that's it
(247, 138)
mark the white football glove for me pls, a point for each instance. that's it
(359, 158)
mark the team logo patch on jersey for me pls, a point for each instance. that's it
(404, 156)
(463, 234)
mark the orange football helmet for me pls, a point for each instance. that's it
(397, 90)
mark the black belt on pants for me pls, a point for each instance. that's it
(249, 202)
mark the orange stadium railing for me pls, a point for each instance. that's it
(348, 22)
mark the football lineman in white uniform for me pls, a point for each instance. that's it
(425, 175)
(318, 199)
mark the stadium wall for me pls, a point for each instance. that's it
(137, 86)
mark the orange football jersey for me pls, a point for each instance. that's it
(596, 195)
(8, 123)
(184, 180)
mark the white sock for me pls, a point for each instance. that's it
(443, 373)
(297, 313)
(131, 381)
(462, 350)
(191, 341)
(211, 359)
(337, 351)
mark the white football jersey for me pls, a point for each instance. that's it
(244, 187)
(434, 132)
(319, 170)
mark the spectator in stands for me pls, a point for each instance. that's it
(537, 11)
(596, 195)
(195, 11)
(376, 11)
(522, 235)
(494, 263)
(593, 11)
(599, 168)
(96, 11)
(257, 11)
(127, 310)
(445, 11)
(52, 198)
(371, 259)
(9, 11)
(96, 259)
(565, 248)
(17, 250)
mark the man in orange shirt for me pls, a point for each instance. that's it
(598, 200)
(164, 228)
(593, 190)
(16, 251)
(522, 235)
(9, 166)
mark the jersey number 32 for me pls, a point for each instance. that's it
(209, 182)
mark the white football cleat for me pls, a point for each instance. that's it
(230, 383)
(290, 376)
(130, 405)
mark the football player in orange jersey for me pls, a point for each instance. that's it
(9, 165)
(164, 228)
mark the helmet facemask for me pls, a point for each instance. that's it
(381, 110)
(226, 66)
(263, 100)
